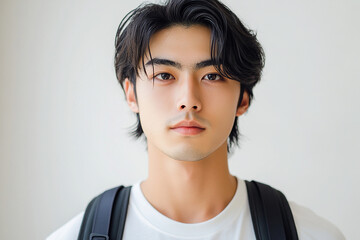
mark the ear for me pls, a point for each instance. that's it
(243, 105)
(130, 96)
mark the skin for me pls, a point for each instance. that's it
(189, 179)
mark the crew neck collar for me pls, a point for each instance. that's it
(177, 229)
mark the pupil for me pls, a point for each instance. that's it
(165, 76)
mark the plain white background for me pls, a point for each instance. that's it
(64, 120)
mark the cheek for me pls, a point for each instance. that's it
(154, 100)
(154, 104)
(222, 108)
(224, 99)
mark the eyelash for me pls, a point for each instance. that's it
(220, 78)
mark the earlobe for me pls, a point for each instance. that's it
(130, 95)
(243, 105)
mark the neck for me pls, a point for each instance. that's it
(189, 191)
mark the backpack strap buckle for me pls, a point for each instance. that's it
(97, 236)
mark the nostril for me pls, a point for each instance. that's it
(183, 106)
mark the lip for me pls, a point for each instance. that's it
(187, 124)
(188, 128)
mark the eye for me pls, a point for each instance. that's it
(213, 77)
(163, 76)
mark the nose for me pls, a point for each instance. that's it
(189, 98)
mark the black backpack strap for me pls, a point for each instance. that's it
(105, 210)
(121, 209)
(270, 212)
(101, 224)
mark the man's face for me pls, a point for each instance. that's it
(186, 87)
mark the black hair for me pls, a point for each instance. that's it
(235, 50)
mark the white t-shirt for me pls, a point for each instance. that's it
(143, 221)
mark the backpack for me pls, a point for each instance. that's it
(105, 215)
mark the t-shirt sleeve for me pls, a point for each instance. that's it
(311, 226)
(69, 231)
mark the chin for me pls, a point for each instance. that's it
(188, 155)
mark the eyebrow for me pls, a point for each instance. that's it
(167, 62)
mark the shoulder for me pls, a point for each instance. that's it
(69, 231)
(311, 226)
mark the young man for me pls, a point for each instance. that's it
(188, 68)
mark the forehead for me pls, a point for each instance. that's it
(185, 44)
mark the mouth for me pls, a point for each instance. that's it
(188, 131)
